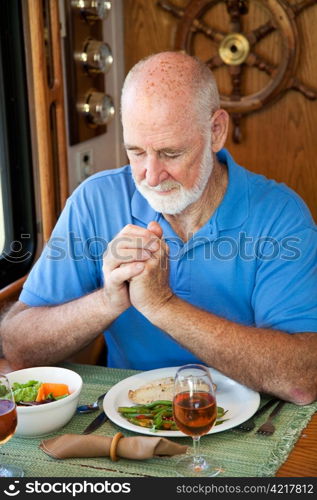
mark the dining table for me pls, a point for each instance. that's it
(290, 452)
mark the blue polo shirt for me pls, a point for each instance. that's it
(254, 262)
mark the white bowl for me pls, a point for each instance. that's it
(43, 419)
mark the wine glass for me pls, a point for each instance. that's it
(195, 412)
(8, 423)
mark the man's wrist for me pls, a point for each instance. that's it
(108, 308)
(162, 315)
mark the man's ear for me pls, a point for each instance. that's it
(219, 129)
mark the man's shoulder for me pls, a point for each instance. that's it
(112, 176)
(276, 197)
(106, 183)
(259, 201)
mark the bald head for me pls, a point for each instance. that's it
(173, 77)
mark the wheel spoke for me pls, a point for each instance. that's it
(198, 25)
(214, 62)
(235, 9)
(308, 92)
(236, 131)
(259, 62)
(262, 31)
(169, 7)
(202, 27)
(236, 74)
(304, 4)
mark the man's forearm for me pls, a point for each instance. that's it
(266, 360)
(46, 335)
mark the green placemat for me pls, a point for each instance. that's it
(240, 454)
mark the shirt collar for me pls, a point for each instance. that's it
(234, 208)
(231, 213)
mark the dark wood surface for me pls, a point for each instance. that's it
(302, 461)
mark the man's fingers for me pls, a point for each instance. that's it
(131, 230)
(155, 228)
(150, 243)
(115, 257)
(145, 239)
(132, 244)
(125, 272)
(127, 248)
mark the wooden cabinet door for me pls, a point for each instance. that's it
(278, 140)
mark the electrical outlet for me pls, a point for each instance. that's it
(85, 164)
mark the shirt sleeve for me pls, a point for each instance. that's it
(285, 292)
(68, 266)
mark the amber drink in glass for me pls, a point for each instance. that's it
(195, 413)
(8, 423)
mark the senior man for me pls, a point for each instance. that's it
(205, 261)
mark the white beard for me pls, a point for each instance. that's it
(180, 198)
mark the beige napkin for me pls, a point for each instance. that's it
(136, 447)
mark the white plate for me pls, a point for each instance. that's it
(240, 401)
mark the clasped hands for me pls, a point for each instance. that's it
(136, 271)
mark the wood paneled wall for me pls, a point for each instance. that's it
(278, 141)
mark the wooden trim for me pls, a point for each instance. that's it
(53, 194)
(57, 95)
(10, 291)
(44, 97)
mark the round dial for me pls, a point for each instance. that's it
(98, 108)
(93, 9)
(103, 7)
(96, 57)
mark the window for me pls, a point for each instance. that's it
(17, 215)
(2, 233)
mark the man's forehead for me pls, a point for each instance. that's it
(158, 124)
(153, 95)
(163, 82)
(173, 138)
(165, 70)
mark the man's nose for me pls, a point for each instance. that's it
(154, 171)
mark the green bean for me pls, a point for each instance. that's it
(140, 423)
(157, 409)
(158, 419)
(132, 409)
(135, 415)
(156, 403)
(220, 411)
(153, 415)
(218, 422)
(144, 408)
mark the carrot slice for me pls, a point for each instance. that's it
(49, 388)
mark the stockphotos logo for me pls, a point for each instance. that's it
(12, 490)
(69, 488)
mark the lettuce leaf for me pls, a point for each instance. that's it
(25, 392)
(3, 390)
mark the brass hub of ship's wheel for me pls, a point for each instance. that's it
(234, 49)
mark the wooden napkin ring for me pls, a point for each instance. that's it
(113, 447)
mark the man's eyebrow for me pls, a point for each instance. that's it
(131, 146)
(172, 150)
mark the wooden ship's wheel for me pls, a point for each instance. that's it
(236, 49)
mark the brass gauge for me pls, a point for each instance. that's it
(92, 10)
(96, 57)
(97, 108)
